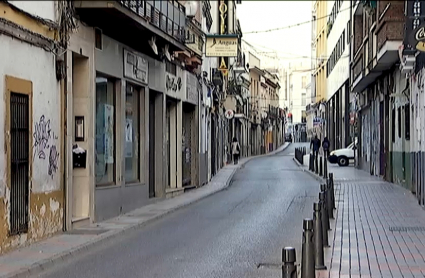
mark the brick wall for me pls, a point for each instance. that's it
(391, 25)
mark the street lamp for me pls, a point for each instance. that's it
(191, 8)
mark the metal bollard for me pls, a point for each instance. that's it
(307, 260)
(331, 179)
(329, 203)
(311, 162)
(325, 168)
(320, 166)
(316, 164)
(325, 219)
(319, 260)
(289, 269)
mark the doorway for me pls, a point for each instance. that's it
(152, 110)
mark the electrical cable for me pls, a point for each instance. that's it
(293, 25)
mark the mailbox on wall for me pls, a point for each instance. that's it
(79, 157)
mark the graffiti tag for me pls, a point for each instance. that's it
(41, 137)
(53, 160)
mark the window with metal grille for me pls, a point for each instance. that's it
(19, 141)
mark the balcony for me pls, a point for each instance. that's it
(134, 22)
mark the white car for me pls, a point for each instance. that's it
(343, 156)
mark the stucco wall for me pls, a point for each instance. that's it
(43, 9)
(33, 64)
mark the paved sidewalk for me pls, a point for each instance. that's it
(378, 231)
(44, 254)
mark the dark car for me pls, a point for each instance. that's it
(288, 137)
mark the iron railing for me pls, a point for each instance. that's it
(19, 193)
(169, 16)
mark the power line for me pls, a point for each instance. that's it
(293, 25)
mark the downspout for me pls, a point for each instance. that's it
(350, 50)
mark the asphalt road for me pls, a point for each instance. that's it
(238, 232)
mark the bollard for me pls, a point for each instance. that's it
(325, 219)
(319, 260)
(331, 179)
(325, 168)
(311, 162)
(320, 166)
(307, 260)
(316, 164)
(289, 269)
(328, 198)
(325, 204)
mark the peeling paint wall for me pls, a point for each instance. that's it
(37, 66)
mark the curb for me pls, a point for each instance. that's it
(45, 264)
(313, 175)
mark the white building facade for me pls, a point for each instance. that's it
(338, 72)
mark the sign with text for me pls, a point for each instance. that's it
(221, 46)
(173, 83)
(417, 38)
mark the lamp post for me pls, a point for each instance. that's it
(191, 8)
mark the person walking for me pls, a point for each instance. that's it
(236, 148)
(325, 147)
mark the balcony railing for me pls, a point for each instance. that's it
(169, 16)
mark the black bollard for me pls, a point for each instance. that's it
(325, 219)
(325, 168)
(307, 260)
(289, 269)
(320, 166)
(311, 162)
(316, 164)
(328, 197)
(331, 179)
(319, 261)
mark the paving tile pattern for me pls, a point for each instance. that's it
(378, 231)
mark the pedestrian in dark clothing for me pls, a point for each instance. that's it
(325, 146)
(236, 148)
(315, 143)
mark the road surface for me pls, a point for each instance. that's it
(238, 232)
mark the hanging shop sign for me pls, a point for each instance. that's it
(417, 38)
(222, 46)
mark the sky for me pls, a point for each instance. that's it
(290, 43)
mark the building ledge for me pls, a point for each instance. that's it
(363, 81)
(388, 55)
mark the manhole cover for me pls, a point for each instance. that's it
(407, 229)
(87, 231)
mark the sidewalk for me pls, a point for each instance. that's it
(378, 231)
(44, 254)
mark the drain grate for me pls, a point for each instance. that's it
(407, 229)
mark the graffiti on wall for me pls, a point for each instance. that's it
(43, 143)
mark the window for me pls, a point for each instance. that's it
(105, 131)
(132, 134)
(98, 38)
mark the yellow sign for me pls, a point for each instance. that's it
(221, 46)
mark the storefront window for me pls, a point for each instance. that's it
(132, 134)
(105, 132)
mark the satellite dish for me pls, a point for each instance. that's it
(167, 53)
(153, 44)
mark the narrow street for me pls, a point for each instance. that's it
(230, 234)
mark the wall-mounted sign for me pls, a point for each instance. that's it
(222, 46)
(417, 38)
(229, 114)
(173, 83)
(135, 67)
(192, 88)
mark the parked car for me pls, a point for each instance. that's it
(288, 137)
(343, 156)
